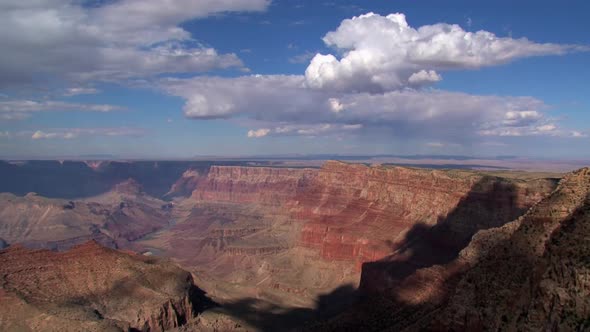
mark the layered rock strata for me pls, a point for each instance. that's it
(93, 288)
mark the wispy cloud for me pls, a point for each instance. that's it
(71, 133)
(21, 109)
(302, 58)
(70, 92)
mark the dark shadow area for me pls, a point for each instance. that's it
(388, 285)
(266, 316)
(491, 202)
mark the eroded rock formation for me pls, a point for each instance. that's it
(416, 241)
(93, 288)
(261, 185)
(530, 274)
(274, 232)
(114, 219)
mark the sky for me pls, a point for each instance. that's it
(180, 78)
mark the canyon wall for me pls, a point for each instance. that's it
(261, 185)
(278, 231)
(92, 288)
(358, 213)
(530, 274)
(114, 219)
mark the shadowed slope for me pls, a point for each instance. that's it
(528, 275)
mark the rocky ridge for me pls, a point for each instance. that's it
(529, 274)
(532, 274)
(114, 219)
(93, 288)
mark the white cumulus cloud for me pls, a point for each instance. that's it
(384, 53)
(113, 41)
(374, 86)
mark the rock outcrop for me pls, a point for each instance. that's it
(93, 288)
(187, 183)
(530, 274)
(261, 185)
(114, 219)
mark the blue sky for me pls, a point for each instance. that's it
(137, 80)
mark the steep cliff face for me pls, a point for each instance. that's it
(276, 231)
(532, 274)
(187, 183)
(262, 185)
(363, 213)
(93, 288)
(355, 212)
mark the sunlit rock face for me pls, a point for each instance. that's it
(93, 288)
(310, 230)
(261, 185)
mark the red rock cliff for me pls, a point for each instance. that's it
(93, 288)
(263, 185)
(361, 213)
(358, 213)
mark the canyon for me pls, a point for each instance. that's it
(93, 288)
(342, 246)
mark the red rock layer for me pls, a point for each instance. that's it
(357, 213)
(264, 185)
(360, 213)
(93, 288)
(531, 274)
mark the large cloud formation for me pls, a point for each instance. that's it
(384, 53)
(284, 105)
(118, 40)
(378, 86)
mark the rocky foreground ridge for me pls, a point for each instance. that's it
(93, 288)
(531, 274)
